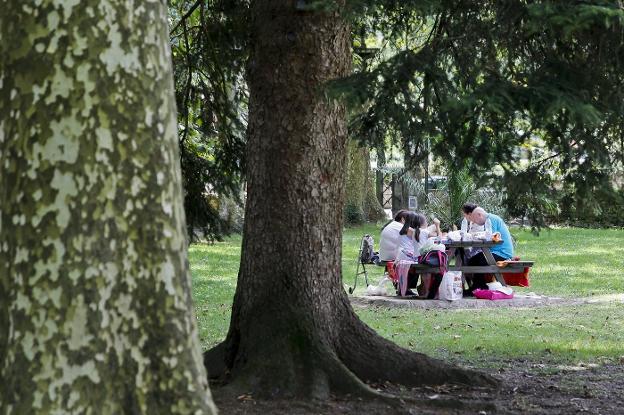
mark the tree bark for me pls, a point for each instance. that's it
(293, 331)
(96, 312)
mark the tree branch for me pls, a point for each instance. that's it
(186, 16)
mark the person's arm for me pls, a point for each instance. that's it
(464, 225)
(434, 229)
(436, 222)
(431, 229)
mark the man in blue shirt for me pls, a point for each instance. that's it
(501, 252)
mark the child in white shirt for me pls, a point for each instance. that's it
(413, 236)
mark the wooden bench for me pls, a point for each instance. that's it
(512, 267)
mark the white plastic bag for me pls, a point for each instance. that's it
(451, 287)
(380, 288)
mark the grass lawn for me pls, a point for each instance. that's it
(569, 263)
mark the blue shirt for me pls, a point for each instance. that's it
(505, 249)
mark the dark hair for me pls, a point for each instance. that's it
(413, 220)
(469, 207)
(397, 218)
(401, 214)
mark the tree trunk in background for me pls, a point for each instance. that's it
(96, 308)
(355, 186)
(372, 208)
(293, 331)
(379, 175)
(361, 201)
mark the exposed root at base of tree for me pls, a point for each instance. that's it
(390, 362)
(314, 372)
(317, 368)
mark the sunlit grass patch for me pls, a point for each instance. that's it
(564, 333)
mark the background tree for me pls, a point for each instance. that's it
(361, 204)
(96, 304)
(293, 331)
(209, 45)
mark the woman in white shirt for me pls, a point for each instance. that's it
(414, 235)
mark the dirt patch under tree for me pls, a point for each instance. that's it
(526, 388)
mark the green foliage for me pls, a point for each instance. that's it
(467, 81)
(209, 47)
(474, 80)
(532, 196)
(353, 214)
(602, 207)
(446, 203)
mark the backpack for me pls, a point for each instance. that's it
(367, 251)
(435, 258)
(431, 283)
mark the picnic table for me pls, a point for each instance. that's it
(456, 251)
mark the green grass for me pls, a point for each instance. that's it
(562, 333)
(214, 269)
(569, 263)
(575, 262)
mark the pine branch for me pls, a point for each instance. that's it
(186, 16)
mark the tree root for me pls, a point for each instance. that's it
(316, 374)
(214, 360)
(316, 365)
(374, 358)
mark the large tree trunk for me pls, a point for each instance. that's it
(293, 331)
(96, 307)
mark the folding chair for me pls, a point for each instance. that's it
(365, 257)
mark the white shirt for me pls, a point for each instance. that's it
(389, 241)
(473, 226)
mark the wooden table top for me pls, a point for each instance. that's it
(477, 243)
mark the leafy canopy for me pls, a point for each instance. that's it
(469, 81)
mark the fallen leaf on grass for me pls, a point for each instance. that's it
(245, 397)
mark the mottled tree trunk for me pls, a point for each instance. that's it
(293, 331)
(96, 308)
